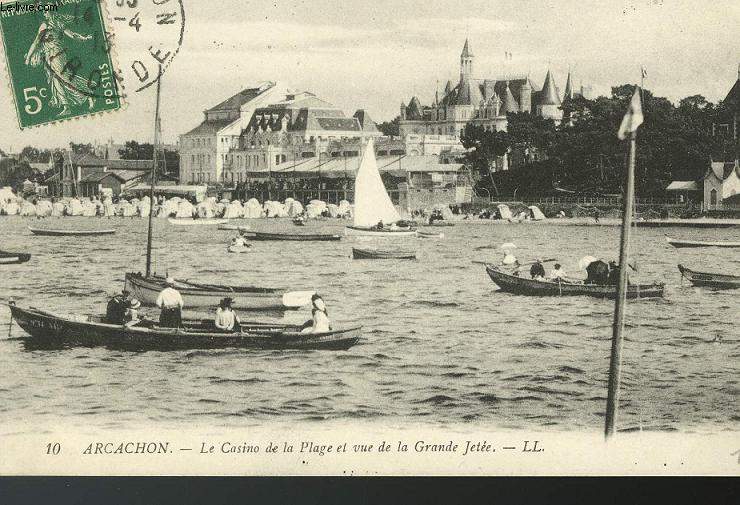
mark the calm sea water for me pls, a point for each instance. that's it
(441, 346)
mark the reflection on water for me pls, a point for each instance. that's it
(440, 345)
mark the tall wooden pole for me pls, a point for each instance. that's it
(154, 179)
(612, 401)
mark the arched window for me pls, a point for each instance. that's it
(713, 197)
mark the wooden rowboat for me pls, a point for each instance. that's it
(86, 233)
(700, 243)
(147, 289)
(234, 227)
(430, 234)
(381, 254)
(10, 258)
(238, 249)
(385, 232)
(301, 237)
(524, 286)
(196, 222)
(441, 223)
(54, 329)
(710, 280)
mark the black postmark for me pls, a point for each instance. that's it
(153, 31)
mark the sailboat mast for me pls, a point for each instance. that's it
(153, 180)
(612, 401)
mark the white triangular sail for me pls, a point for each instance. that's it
(372, 203)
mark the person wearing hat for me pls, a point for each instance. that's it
(319, 321)
(170, 302)
(537, 270)
(132, 313)
(226, 318)
(115, 311)
(558, 274)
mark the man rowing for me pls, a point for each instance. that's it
(170, 303)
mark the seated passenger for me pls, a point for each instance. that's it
(379, 226)
(558, 273)
(132, 313)
(115, 311)
(226, 318)
(319, 323)
(537, 270)
(597, 273)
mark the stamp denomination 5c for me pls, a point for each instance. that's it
(58, 55)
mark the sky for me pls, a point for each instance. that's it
(376, 54)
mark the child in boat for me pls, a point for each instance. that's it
(226, 318)
(320, 320)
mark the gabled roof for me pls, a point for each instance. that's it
(722, 169)
(99, 176)
(413, 111)
(366, 123)
(733, 97)
(86, 160)
(125, 165)
(129, 175)
(210, 127)
(683, 186)
(549, 96)
(235, 102)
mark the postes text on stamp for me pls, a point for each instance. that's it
(58, 56)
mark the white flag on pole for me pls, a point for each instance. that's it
(633, 118)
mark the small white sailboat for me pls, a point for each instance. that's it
(372, 203)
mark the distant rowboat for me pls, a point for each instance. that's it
(9, 258)
(430, 234)
(196, 222)
(234, 227)
(48, 232)
(710, 280)
(382, 254)
(302, 237)
(700, 243)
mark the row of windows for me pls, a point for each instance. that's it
(201, 142)
(201, 159)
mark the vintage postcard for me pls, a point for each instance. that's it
(369, 238)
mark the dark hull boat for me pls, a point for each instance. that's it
(11, 258)
(56, 330)
(147, 289)
(381, 254)
(302, 237)
(700, 243)
(710, 280)
(74, 233)
(523, 286)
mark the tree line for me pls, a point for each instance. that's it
(583, 155)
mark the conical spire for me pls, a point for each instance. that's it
(549, 95)
(448, 87)
(466, 52)
(568, 89)
(509, 103)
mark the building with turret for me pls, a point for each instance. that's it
(482, 101)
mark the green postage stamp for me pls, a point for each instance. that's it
(58, 56)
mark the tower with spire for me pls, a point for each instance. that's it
(466, 62)
(548, 102)
(567, 105)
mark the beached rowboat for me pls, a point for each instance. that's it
(55, 329)
(710, 280)
(700, 243)
(302, 237)
(196, 222)
(147, 289)
(9, 258)
(523, 286)
(86, 233)
(381, 254)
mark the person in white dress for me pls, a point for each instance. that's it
(319, 323)
(226, 318)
